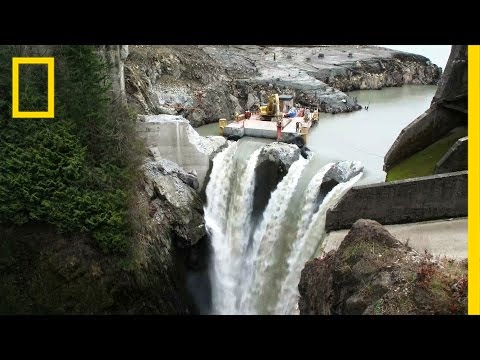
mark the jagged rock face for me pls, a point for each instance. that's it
(168, 167)
(343, 171)
(115, 56)
(374, 273)
(272, 165)
(254, 92)
(45, 272)
(180, 80)
(448, 110)
(378, 73)
(173, 203)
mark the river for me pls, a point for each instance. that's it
(364, 135)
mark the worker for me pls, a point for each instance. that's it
(279, 129)
(307, 114)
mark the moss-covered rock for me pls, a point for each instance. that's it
(374, 273)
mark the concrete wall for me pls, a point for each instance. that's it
(405, 201)
(173, 143)
(455, 159)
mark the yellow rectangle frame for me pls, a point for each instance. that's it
(16, 62)
(473, 179)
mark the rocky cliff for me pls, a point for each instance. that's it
(205, 83)
(447, 111)
(374, 273)
(46, 272)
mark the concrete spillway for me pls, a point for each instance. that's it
(171, 137)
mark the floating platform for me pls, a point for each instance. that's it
(255, 127)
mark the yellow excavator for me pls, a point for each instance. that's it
(271, 111)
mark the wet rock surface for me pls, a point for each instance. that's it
(272, 165)
(174, 202)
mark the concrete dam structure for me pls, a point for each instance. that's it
(171, 137)
(413, 200)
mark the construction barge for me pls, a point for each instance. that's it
(278, 120)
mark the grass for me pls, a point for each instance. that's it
(423, 162)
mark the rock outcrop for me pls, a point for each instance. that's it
(374, 273)
(115, 56)
(377, 73)
(343, 171)
(43, 271)
(174, 203)
(272, 165)
(448, 110)
(178, 80)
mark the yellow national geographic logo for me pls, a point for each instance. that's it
(16, 62)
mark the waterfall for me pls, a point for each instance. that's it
(259, 258)
(307, 241)
(311, 196)
(178, 142)
(228, 218)
(217, 191)
(239, 225)
(257, 271)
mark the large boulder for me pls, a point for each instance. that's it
(374, 273)
(273, 163)
(343, 171)
(168, 167)
(174, 203)
(252, 100)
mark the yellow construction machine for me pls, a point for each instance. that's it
(271, 111)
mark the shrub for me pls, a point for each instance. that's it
(75, 171)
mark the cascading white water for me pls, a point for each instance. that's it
(305, 245)
(228, 218)
(178, 142)
(239, 224)
(260, 258)
(311, 196)
(218, 193)
(256, 271)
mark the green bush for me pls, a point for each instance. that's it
(75, 171)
